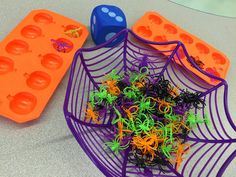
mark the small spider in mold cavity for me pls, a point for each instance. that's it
(74, 32)
(197, 61)
(61, 46)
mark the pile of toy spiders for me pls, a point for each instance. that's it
(150, 118)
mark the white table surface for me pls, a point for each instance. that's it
(46, 147)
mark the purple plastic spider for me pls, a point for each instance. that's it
(61, 46)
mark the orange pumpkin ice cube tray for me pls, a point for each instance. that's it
(154, 27)
(33, 59)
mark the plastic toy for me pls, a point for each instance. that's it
(212, 149)
(154, 27)
(34, 58)
(105, 22)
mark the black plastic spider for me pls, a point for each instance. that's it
(160, 88)
(190, 99)
(142, 161)
(161, 163)
(137, 159)
(121, 85)
(184, 135)
(98, 107)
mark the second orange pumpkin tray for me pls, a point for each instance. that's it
(154, 27)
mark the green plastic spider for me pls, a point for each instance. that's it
(159, 125)
(119, 117)
(167, 148)
(170, 116)
(113, 75)
(136, 90)
(73, 32)
(134, 76)
(143, 126)
(111, 98)
(145, 104)
(101, 96)
(138, 76)
(130, 92)
(116, 147)
(92, 99)
(131, 126)
(168, 131)
(193, 119)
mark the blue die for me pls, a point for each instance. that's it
(105, 22)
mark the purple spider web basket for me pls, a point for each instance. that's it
(212, 148)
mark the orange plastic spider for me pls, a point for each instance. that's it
(120, 126)
(174, 92)
(90, 114)
(147, 144)
(112, 88)
(181, 150)
(178, 124)
(141, 83)
(130, 114)
(164, 106)
(154, 137)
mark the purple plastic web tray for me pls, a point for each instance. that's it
(212, 148)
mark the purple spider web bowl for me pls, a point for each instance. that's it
(212, 148)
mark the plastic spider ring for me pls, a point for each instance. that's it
(166, 109)
(135, 107)
(114, 90)
(145, 70)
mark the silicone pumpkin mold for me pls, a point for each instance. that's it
(154, 24)
(34, 58)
